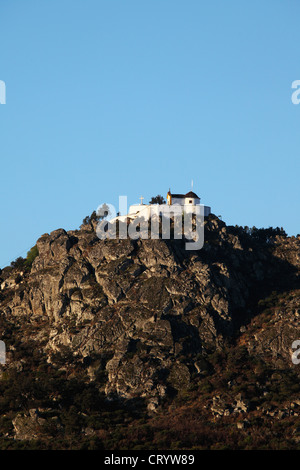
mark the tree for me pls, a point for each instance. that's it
(19, 263)
(94, 217)
(31, 255)
(157, 200)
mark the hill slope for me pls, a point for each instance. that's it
(109, 336)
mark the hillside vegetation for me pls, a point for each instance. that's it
(140, 344)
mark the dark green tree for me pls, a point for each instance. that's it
(19, 263)
(157, 200)
(95, 217)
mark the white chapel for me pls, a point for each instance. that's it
(186, 202)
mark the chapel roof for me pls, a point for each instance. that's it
(189, 194)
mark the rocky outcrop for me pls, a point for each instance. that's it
(148, 308)
(27, 427)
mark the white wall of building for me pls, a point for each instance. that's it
(146, 210)
(190, 201)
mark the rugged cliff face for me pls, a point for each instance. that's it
(147, 315)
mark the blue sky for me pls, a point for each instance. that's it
(113, 97)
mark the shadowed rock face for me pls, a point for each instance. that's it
(149, 307)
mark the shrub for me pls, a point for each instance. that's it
(19, 263)
(94, 217)
(31, 255)
(157, 200)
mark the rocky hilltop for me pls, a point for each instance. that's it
(144, 323)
